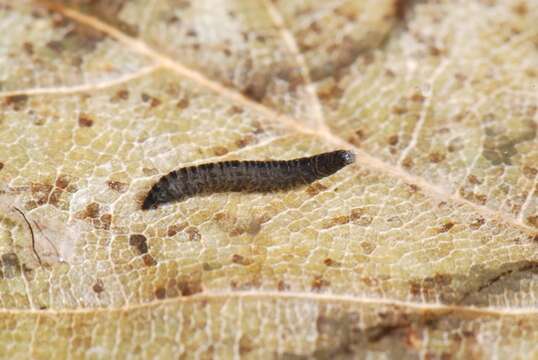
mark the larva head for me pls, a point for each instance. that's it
(345, 157)
(329, 163)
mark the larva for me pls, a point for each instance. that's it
(245, 176)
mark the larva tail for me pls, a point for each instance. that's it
(149, 202)
(160, 193)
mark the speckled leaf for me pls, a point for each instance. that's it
(427, 247)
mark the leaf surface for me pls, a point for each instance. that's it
(426, 247)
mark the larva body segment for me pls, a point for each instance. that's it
(244, 176)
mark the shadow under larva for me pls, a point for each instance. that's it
(245, 176)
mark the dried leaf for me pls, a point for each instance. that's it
(426, 247)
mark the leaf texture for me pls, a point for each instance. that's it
(427, 247)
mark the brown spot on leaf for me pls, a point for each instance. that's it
(290, 75)
(241, 260)
(435, 51)
(414, 288)
(407, 163)
(122, 94)
(346, 12)
(530, 172)
(98, 287)
(319, 283)
(105, 222)
(81, 37)
(455, 144)
(356, 213)
(255, 225)
(257, 86)
(477, 223)
(436, 157)
(474, 180)
(225, 219)
(41, 192)
(107, 11)
(315, 188)
(235, 110)
(237, 231)
(480, 198)
(533, 220)
(436, 287)
(189, 285)
(30, 205)
(258, 128)
(400, 8)
(194, 234)
(91, 214)
(246, 344)
(337, 220)
(393, 140)
(521, 8)
(139, 241)
(360, 216)
(1, 165)
(282, 286)
(360, 134)
(446, 227)
(418, 97)
(153, 101)
(230, 223)
(183, 103)
(117, 186)
(11, 266)
(244, 141)
(220, 150)
(368, 247)
(149, 260)
(160, 293)
(76, 61)
(149, 172)
(174, 229)
(85, 120)
(331, 262)
(54, 197)
(328, 89)
(55, 46)
(17, 102)
(91, 211)
(399, 110)
(442, 279)
(62, 182)
(28, 47)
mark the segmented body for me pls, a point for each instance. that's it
(244, 176)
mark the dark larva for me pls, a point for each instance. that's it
(245, 176)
